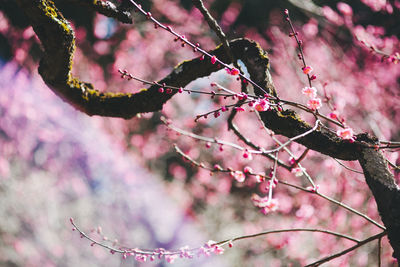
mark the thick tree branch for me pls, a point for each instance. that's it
(58, 41)
(386, 192)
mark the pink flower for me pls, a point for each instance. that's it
(307, 69)
(297, 171)
(213, 59)
(232, 71)
(261, 105)
(345, 9)
(218, 250)
(265, 203)
(333, 115)
(140, 258)
(210, 244)
(260, 178)
(271, 206)
(286, 12)
(247, 169)
(314, 103)
(311, 92)
(239, 176)
(346, 134)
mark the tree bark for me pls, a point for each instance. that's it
(58, 41)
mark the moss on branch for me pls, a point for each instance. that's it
(58, 40)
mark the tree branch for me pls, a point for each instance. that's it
(58, 41)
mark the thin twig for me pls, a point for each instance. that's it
(361, 243)
(214, 26)
(290, 230)
(350, 209)
(348, 168)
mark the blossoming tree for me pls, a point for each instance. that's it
(279, 143)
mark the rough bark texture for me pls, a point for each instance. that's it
(386, 193)
(58, 41)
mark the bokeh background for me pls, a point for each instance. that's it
(124, 175)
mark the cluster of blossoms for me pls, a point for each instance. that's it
(314, 102)
(209, 248)
(261, 105)
(266, 204)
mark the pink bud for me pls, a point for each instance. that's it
(307, 69)
(213, 59)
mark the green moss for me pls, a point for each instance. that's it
(52, 13)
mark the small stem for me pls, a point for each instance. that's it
(334, 256)
(287, 231)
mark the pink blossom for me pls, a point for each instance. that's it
(239, 108)
(331, 15)
(261, 105)
(218, 250)
(242, 96)
(286, 12)
(247, 169)
(232, 71)
(297, 171)
(239, 176)
(333, 115)
(307, 69)
(265, 203)
(210, 243)
(203, 251)
(213, 59)
(271, 206)
(260, 178)
(345, 9)
(346, 133)
(140, 258)
(309, 91)
(314, 103)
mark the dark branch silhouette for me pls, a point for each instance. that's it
(58, 41)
